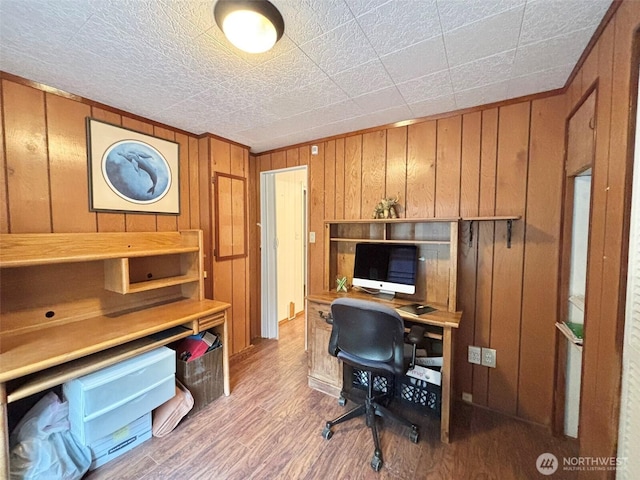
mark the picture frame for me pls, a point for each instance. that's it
(130, 171)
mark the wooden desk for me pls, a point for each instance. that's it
(325, 371)
(71, 304)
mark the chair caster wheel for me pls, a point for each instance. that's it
(327, 433)
(376, 463)
(342, 401)
(414, 436)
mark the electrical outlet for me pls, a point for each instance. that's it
(467, 397)
(489, 357)
(474, 355)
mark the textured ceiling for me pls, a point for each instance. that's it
(342, 65)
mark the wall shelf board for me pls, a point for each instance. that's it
(508, 218)
(23, 250)
(400, 242)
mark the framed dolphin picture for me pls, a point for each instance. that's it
(130, 171)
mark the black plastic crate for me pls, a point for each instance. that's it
(420, 394)
(381, 383)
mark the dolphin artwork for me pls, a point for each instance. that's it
(139, 160)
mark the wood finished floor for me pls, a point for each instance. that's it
(270, 428)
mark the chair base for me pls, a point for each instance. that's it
(371, 408)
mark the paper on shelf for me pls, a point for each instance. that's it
(429, 361)
(425, 374)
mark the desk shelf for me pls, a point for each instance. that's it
(436, 239)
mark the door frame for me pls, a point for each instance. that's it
(269, 251)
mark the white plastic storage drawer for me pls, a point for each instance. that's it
(90, 429)
(133, 388)
(105, 389)
(122, 440)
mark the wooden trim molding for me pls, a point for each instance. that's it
(404, 123)
(61, 93)
(227, 197)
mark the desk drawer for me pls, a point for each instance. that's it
(211, 321)
(101, 391)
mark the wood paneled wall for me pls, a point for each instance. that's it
(229, 281)
(497, 161)
(45, 161)
(611, 66)
(44, 182)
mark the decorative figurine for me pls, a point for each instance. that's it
(386, 208)
(341, 284)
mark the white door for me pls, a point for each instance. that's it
(277, 277)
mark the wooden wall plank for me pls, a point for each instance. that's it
(138, 222)
(468, 250)
(483, 313)
(184, 219)
(4, 206)
(590, 70)
(68, 180)
(293, 157)
(220, 156)
(254, 248)
(26, 157)
(303, 155)
(466, 287)
(194, 184)
(396, 174)
(109, 222)
(543, 220)
(513, 157)
(489, 155)
(206, 214)
(330, 180)
(223, 291)
(340, 174)
(239, 295)
(238, 216)
(237, 160)
(279, 160)
(486, 241)
(353, 177)
(167, 223)
(224, 222)
(373, 170)
(448, 167)
(316, 252)
(581, 137)
(470, 164)
(421, 170)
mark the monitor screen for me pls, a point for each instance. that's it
(390, 268)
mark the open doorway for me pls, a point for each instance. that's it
(283, 211)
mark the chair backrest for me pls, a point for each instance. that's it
(369, 331)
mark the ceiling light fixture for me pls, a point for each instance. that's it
(253, 26)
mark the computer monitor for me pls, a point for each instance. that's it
(389, 268)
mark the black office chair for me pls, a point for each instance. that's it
(370, 337)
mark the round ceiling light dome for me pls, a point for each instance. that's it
(253, 26)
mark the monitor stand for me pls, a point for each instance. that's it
(385, 295)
